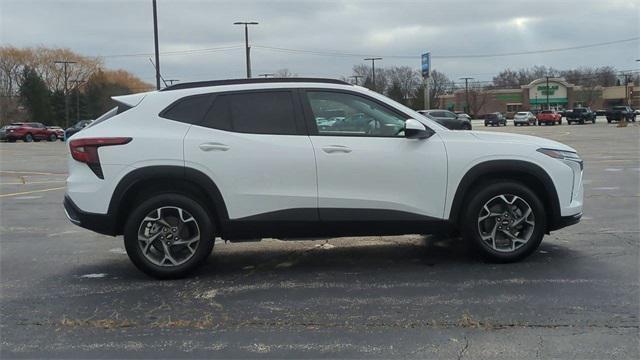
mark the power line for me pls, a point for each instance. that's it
(335, 53)
(541, 51)
(177, 52)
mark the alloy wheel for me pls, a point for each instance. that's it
(168, 236)
(506, 223)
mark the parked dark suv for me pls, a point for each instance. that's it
(495, 118)
(448, 119)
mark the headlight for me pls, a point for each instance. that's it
(567, 156)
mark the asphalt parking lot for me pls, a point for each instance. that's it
(67, 292)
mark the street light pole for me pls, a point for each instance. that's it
(373, 70)
(466, 90)
(246, 43)
(65, 63)
(155, 39)
(77, 88)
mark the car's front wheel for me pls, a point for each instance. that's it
(168, 235)
(505, 221)
(53, 137)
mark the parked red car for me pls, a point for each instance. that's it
(28, 132)
(549, 117)
(58, 130)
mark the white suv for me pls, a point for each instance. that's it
(289, 158)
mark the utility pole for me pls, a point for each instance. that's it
(246, 43)
(171, 81)
(627, 98)
(266, 75)
(355, 78)
(548, 107)
(77, 88)
(373, 70)
(65, 63)
(427, 94)
(155, 39)
(466, 90)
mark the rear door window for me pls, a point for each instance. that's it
(265, 112)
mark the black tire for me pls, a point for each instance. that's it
(202, 251)
(28, 138)
(466, 127)
(481, 196)
(53, 137)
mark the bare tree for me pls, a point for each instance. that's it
(405, 79)
(440, 85)
(478, 98)
(284, 73)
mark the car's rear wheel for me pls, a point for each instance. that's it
(505, 221)
(169, 235)
(53, 137)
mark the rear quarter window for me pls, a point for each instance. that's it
(190, 109)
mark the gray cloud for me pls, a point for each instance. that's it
(368, 27)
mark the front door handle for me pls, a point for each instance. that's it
(336, 149)
(214, 146)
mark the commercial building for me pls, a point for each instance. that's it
(555, 93)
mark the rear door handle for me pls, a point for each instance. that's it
(336, 149)
(214, 147)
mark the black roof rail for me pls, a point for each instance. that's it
(197, 84)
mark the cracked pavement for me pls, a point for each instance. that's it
(69, 293)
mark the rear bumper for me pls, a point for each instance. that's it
(100, 223)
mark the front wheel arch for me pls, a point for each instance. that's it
(529, 174)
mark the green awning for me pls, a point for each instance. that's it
(543, 101)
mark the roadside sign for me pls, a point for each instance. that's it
(426, 65)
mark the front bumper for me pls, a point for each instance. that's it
(100, 223)
(565, 221)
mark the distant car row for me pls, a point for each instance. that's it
(34, 131)
(581, 115)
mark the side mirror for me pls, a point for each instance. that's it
(414, 129)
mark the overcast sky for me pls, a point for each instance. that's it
(382, 28)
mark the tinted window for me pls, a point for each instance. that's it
(188, 110)
(358, 116)
(253, 112)
(449, 114)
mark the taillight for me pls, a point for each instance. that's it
(86, 151)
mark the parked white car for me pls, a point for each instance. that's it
(245, 159)
(524, 118)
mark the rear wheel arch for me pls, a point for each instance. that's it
(144, 182)
(529, 174)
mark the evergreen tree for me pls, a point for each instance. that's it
(35, 96)
(395, 92)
